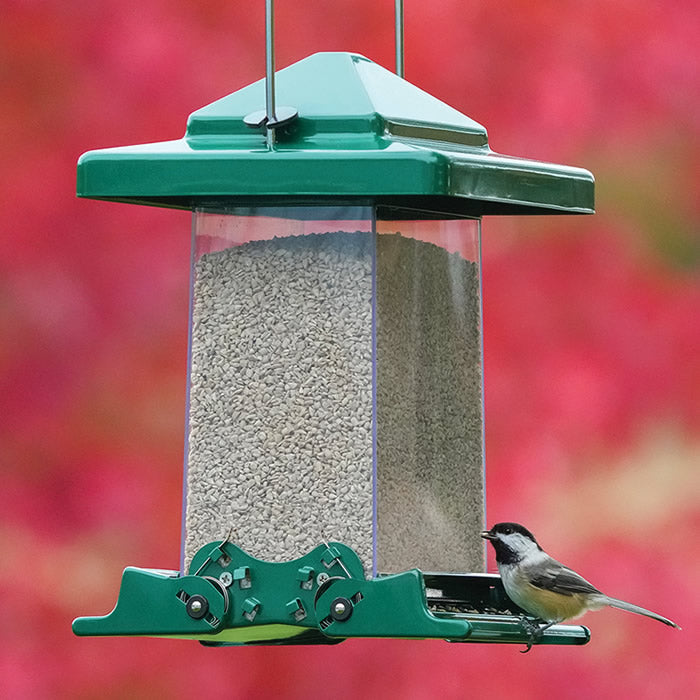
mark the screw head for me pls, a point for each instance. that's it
(341, 609)
(322, 578)
(197, 607)
(226, 578)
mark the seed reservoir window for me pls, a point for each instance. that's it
(429, 452)
(335, 386)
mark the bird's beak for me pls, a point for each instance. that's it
(486, 534)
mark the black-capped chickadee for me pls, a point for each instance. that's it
(542, 586)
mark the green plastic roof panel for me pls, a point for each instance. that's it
(362, 133)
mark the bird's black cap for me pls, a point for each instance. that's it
(508, 529)
(504, 554)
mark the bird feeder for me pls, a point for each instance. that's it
(334, 480)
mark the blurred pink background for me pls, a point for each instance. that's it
(592, 335)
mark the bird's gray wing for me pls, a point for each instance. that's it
(556, 577)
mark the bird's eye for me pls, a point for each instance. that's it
(508, 531)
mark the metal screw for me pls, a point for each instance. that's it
(197, 606)
(322, 578)
(226, 578)
(341, 609)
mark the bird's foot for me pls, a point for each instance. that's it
(534, 636)
(534, 630)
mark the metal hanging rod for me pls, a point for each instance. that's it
(398, 37)
(270, 71)
(273, 116)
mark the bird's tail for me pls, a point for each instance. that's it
(622, 605)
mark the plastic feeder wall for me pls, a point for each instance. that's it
(334, 466)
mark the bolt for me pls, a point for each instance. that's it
(341, 609)
(197, 606)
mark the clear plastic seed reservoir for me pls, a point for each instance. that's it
(335, 386)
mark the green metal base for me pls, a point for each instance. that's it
(321, 598)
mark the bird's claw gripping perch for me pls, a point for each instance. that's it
(535, 630)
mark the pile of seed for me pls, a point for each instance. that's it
(280, 443)
(429, 413)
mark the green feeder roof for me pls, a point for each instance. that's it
(362, 134)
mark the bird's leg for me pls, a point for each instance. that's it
(532, 628)
(548, 625)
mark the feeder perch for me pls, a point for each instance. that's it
(334, 413)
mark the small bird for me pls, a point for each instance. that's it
(544, 587)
